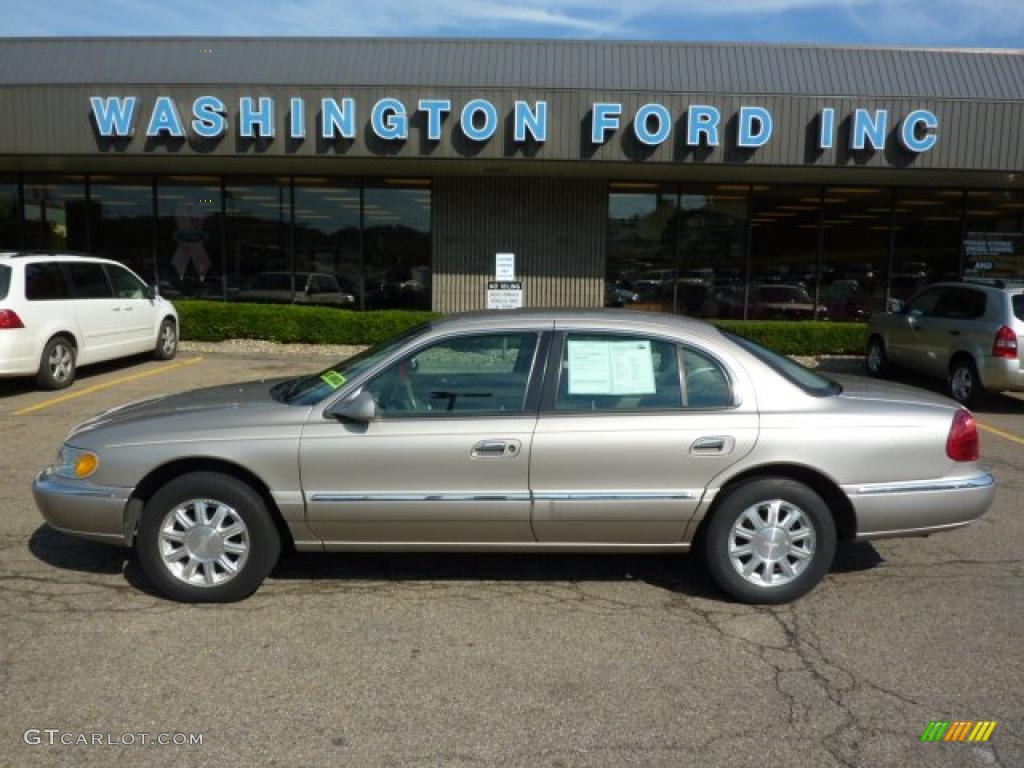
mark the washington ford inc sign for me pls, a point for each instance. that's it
(389, 119)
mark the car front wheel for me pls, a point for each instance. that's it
(207, 537)
(166, 340)
(771, 540)
(876, 360)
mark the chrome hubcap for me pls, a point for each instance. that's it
(168, 339)
(61, 362)
(771, 543)
(962, 384)
(874, 358)
(203, 542)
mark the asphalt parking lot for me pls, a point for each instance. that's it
(547, 660)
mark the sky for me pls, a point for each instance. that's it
(939, 23)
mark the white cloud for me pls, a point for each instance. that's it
(925, 22)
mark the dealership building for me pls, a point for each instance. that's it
(716, 180)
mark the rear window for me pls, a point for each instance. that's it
(1018, 305)
(90, 280)
(809, 381)
(45, 281)
(5, 281)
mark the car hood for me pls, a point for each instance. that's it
(863, 388)
(207, 403)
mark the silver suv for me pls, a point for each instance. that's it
(965, 332)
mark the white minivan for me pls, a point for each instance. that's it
(60, 311)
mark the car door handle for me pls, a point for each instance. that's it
(954, 333)
(712, 445)
(128, 309)
(495, 449)
(115, 309)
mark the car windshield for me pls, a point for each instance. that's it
(810, 382)
(307, 390)
(5, 281)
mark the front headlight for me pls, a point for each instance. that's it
(76, 463)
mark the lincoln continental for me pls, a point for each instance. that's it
(523, 431)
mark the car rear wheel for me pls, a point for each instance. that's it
(876, 360)
(771, 540)
(166, 340)
(964, 382)
(57, 364)
(207, 537)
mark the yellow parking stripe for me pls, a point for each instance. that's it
(105, 385)
(1006, 435)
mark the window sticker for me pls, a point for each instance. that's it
(611, 367)
(332, 379)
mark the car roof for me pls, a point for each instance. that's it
(31, 257)
(624, 319)
(997, 284)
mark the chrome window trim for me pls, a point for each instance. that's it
(983, 480)
(679, 495)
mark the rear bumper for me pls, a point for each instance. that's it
(1001, 375)
(18, 355)
(82, 509)
(920, 507)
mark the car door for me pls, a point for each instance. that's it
(631, 431)
(907, 337)
(445, 460)
(957, 324)
(97, 311)
(138, 312)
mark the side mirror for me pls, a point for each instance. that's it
(360, 408)
(152, 292)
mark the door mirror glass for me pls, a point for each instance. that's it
(359, 408)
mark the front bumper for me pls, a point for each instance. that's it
(920, 507)
(82, 509)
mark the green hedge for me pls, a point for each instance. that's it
(791, 337)
(217, 321)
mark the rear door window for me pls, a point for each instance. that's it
(89, 280)
(5, 281)
(961, 304)
(46, 281)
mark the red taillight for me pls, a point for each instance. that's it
(962, 443)
(1005, 344)
(9, 319)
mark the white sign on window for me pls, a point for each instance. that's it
(611, 367)
(504, 266)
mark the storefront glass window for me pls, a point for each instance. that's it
(783, 253)
(257, 258)
(10, 214)
(928, 239)
(855, 260)
(711, 239)
(122, 223)
(327, 236)
(396, 245)
(641, 252)
(189, 256)
(56, 213)
(994, 234)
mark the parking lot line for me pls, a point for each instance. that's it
(105, 385)
(1006, 435)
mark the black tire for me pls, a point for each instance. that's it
(876, 360)
(57, 364)
(264, 542)
(751, 494)
(166, 340)
(965, 383)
